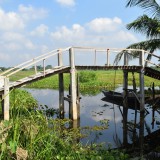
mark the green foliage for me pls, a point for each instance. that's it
(109, 79)
(22, 99)
(31, 135)
(87, 76)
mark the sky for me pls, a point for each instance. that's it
(32, 27)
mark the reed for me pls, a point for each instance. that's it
(31, 135)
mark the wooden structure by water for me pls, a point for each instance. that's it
(71, 68)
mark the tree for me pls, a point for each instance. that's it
(149, 5)
(148, 26)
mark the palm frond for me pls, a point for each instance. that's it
(149, 45)
(147, 26)
(149, 5)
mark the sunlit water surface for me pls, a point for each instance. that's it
(92, 110)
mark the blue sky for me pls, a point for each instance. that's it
(32, 27)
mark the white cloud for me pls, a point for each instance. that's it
(31, 13)
(98, 32)
(16, 41)
(12, 46)
(76, 33)
(44, 48)
(41, 30)
(10, 21)
(126, 36)
(101, 25)
(66, 2)
(12, 36)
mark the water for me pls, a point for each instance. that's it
(92, 110)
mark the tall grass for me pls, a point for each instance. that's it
(31, 135)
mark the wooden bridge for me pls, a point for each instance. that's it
(71, 67)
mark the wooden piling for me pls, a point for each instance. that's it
(6, 98)
(125, 102)
(2, 106)
(135, 116)
(78, 98)
(142, 111)
(153, 107)
(73, 85)
(125, 108)
(142, 102)
(61, 87)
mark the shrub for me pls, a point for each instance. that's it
(87, 76)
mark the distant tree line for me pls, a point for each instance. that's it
(39, 68)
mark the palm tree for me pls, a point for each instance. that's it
(150, 5)
(148, 26)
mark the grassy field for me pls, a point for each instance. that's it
(88, 79)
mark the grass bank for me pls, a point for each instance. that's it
(29, 135)
(88, 79)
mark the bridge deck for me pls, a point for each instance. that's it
(150, 72)
(38, 76)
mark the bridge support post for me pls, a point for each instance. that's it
(142, 111)
(2, 105)
(125, 101)
(61, 95)
(61, 86)
(125, 107)
(73, 89)
(142, 102)
(6, 98)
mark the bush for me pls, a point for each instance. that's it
(87, 76)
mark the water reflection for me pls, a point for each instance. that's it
(93, 109)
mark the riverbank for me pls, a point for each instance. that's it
(88, 79)
(30, 134)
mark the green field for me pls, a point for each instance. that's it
(88, 80)
(103, 79)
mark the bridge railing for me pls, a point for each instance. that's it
(125, 56)
(110, 54)
(34, 62)
(96, 53)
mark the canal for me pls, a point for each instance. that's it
(93, 110)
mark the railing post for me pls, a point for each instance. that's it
(73, 85)
(108, 57)
(95, 57)
(61, 86)
(126, 59)
(6, 98)
(60, 62)
(44, 68)
(35, 69)
(141, 59)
